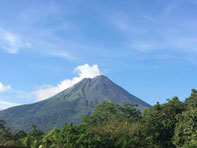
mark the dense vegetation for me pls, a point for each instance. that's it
(168, 125)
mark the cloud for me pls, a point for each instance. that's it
(11, 42)
(60, 54)
(4, 88)
(156, 35)
(84, 71)
(5, 104)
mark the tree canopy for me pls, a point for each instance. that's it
(172, 124)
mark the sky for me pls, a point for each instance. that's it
(148, 47)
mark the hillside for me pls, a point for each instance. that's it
(69, 105)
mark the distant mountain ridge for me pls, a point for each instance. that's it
(69, 105)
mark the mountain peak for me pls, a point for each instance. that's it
(101, 77)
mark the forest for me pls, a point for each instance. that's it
(168, 125)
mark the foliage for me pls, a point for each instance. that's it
(186, 128)
(51, 139)
(159, 122)
(78, 136)
(120, 134)
(108, 111)
(6, 136)
(172, 124)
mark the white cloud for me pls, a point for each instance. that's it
(11, 42)
(4, 88)
(84, 71)
(61, 54)
(5, 104)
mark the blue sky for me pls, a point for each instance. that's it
(148, 47)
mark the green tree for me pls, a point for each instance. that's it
(120, 124)
(107, 111)
(130, 113)
(186, 129)
(191, 102)
(103, 112)
(51, 139)
(20, 135)
(37, 134)
(159, 122)
(33, 138)
(73, 136)
(5, 134)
